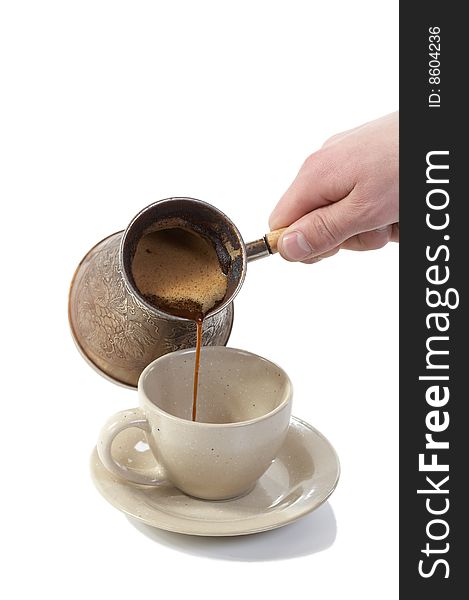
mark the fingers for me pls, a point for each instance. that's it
(319, 232)
(368, 240)
(319, 183)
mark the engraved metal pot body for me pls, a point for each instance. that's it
(116, 329)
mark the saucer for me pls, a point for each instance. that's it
(300, 479)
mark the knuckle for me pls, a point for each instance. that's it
(310, 163)
(332, 139)
(326, 166)
(323, 228)
(315, 164)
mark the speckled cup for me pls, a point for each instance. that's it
(244, 407)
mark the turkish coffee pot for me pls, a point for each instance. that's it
(117, 330)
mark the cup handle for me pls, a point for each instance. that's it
(117, 423)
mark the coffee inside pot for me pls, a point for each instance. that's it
(179, 272)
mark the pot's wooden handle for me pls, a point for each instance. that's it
(271, 239)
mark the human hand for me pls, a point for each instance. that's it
(346, 195)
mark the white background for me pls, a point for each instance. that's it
(105, 108)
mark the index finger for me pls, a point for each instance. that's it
(320, 181)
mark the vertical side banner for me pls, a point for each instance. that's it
(434, 232)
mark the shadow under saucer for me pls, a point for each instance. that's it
(313, 533)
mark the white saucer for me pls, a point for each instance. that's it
(301, 478)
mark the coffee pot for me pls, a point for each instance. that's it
(117, 330)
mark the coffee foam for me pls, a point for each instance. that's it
(178, 270)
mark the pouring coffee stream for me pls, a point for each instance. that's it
(178, 271)
(120, 328)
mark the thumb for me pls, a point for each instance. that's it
(319, 231)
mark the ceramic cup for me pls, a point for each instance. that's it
(243, 413)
